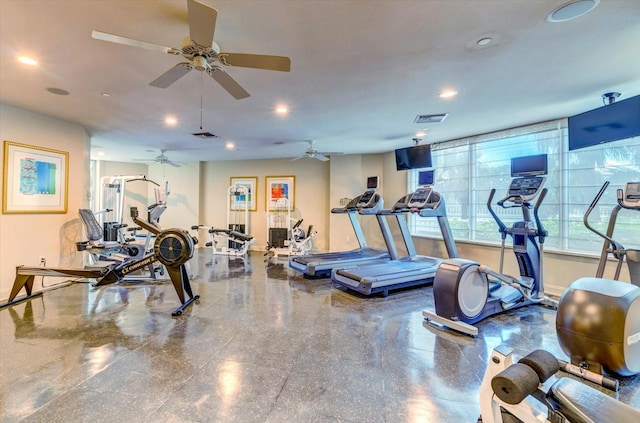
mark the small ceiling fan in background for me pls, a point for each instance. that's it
(313, 153)
(162, 159)
(203, 53)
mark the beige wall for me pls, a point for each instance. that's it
(24, 238)
(184, 198)
(311, 192)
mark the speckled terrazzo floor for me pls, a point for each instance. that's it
(262, 344)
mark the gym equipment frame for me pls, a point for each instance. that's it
(172, 247)
(531, 392)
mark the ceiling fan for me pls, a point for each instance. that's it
(162, 159)
(202, 53)
(313, 153)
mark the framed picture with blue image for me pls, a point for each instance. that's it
(243, 190)
(35, 179)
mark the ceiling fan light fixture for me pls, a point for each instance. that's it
(200, 63)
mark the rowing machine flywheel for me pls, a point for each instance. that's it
(173, 247)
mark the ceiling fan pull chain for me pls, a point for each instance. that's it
(201, 73)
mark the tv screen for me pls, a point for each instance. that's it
(416, 157)
(425, 177)
(614, 122)
(372, 182)
(529, 165)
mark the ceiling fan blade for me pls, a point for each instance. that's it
(298, 158)
(331, 153)
(228, 83)
(170, 163)
(131, 42)
(256, 61)
(172, 75)
(320, 157)
(202, 22)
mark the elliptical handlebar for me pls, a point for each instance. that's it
(501, 226)
(592, 206)
(542, 233)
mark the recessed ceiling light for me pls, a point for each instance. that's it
(282, 110)
(420, 134)
(105, 94)
(572, 10)
(27, 60)
(230, 145)
(170, 120)
(448, 94)
(484, 41)
(57, 91)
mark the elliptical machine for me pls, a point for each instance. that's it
(462, 290)
(598, 320)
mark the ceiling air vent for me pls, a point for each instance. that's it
(431, 118)
(204, 135)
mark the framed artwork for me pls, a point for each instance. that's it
(249, 193)
(279, 188)
(35, 179)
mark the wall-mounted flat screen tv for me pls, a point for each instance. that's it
(416, 157)
(614, 122)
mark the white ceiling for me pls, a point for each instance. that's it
(361, 71)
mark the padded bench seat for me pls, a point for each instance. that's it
(581, 404)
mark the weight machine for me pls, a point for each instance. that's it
(286, 238)
(111, 202)
(234, 240)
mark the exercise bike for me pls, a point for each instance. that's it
(463, 292)
(598, 320)
(530, 391)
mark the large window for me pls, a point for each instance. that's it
(466, 171)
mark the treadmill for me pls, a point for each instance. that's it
(321, 264)
(414, 269)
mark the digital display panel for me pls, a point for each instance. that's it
(529, 165)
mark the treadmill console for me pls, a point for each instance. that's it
(420, 198)
(631, 197)
(525, 188)
(367, 199)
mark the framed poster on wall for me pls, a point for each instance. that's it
(249, 192)
(278, 188)
(35, 179)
